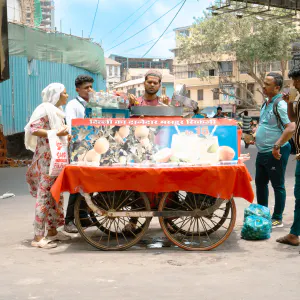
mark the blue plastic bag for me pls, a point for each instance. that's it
(257, 210)
(256, 228)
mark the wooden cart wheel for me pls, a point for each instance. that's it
(113, 233)
(203, 201)
(134, 226)
(200, 232)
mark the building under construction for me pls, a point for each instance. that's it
(34, 13)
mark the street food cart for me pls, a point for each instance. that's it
(186, 172)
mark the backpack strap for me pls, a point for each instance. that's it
(275, 111)
(263, 105)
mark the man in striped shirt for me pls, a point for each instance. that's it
(246, 124)
(294, 115)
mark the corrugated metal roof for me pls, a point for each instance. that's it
(21, 94)
(112, 62)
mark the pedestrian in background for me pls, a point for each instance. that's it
(219, 114)
(273, 147)
(246, 125)
(294, 114)
(49, 215)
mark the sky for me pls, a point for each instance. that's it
(78, 16)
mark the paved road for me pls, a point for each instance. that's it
(236, 270)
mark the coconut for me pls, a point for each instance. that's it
(101, 146)
(145, 142)
(141, 132)
(124, 132)
(226, 153)
(92, 156)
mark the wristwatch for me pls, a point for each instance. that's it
(276, 147)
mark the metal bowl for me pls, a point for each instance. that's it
(157, 111)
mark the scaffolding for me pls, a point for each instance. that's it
(37, 13)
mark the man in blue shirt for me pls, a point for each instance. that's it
(273, 148)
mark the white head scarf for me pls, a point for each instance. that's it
(50, 96)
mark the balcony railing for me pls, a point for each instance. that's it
(225, 73)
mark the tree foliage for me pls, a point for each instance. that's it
(252, 42)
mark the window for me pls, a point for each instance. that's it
(250, 88)
(192, 74)
(225, 67)
(189, 94)
(116, 71)
(216, 94)
(200, 95)
(291, 64)
(110, 71)
(212, 72)
(184, 33)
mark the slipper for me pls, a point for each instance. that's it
(60, 236)
(286, 241)
(44, 243)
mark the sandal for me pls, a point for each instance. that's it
(60, 236)
(285, 240)
(44, 243)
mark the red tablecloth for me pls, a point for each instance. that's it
(219, 181)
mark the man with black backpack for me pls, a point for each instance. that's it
(272, 141)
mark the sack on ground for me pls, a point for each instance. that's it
(256, 228)
(59, 153)
(257, 210)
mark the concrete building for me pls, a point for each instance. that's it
(35, 13)
(135, 82)
(113, 71)
(48, 9)
(141, 63)
(14, 12)
(207, 90)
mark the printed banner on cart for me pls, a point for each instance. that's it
(154, 142)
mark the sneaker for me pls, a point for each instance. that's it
(70, 228)
(277, 223)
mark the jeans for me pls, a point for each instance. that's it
(270, 169)
(70, 209)
(296, 225)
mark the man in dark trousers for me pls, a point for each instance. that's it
(272, 142)
(294, 114)
(75, 109)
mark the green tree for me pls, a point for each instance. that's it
(249, 40)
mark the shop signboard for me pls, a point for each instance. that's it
(154, 142)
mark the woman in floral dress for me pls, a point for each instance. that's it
(49, 215)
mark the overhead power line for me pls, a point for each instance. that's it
(146, 26)
(166, 28)
(126, 18)
(146, 43)
(135, 20)
(94, 18)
